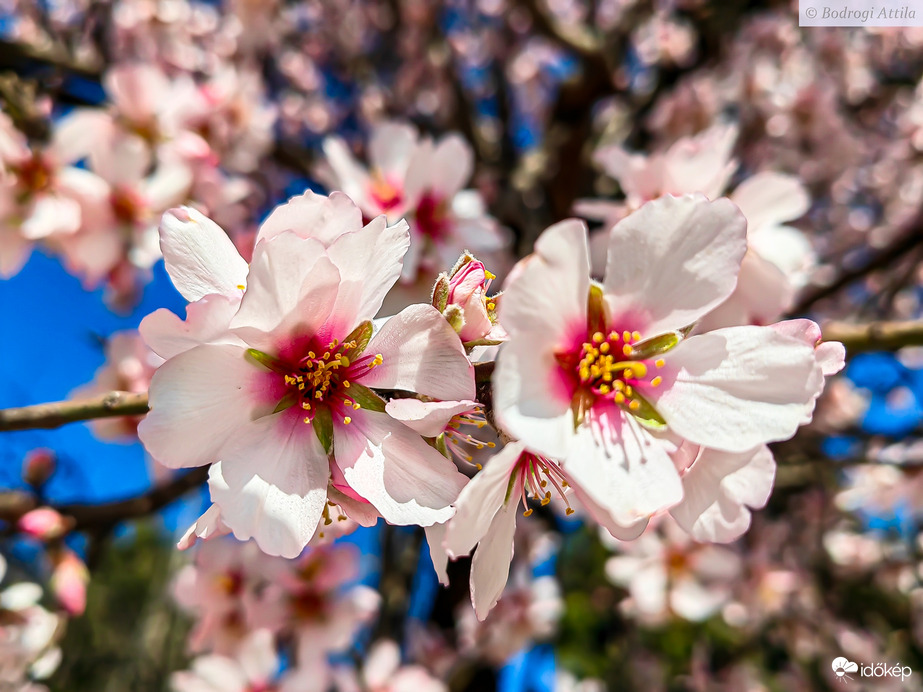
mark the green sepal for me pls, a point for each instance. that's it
(455, 316)
(365, 397)
(655, 346)
(481, 342)
(646, 414)
(509, 488)
(441, 446)
(267, 361)
(581, 404)
(441, 292)
(323, 427)
(596, 310)
(287, 401)
(361, 335)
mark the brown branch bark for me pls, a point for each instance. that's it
(874, 336)
(56, 414)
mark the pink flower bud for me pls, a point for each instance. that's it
(69, 582)
(43, 523)
(468, 280)
(467, 300)
(39, 466)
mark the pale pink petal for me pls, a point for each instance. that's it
(50, 215)
(737, 388)
(702, 163)
(14, 251)
(603, 516)
(673, 260)
(435, 538)
(272, 483)
(313, 216)
(197, 400)
(768, 199)
(391, 146)
(80, 132)
(168, 186)
(640, 177)
(199, 256)
(482, 498)
(718, 491)
(209, 525)
(123, 161)
(391, 466)
(762, 295)
(257, 657)
(452, 165)
(427, 418)
(291, 290)
(547, 291)
(787, 248)
(206, 321)
(621, 467)
(136, 89)
(383, 661)
(694, 601)
(490, 566)
(531, 398)
(369, 261)
(350, 176)
(421, 353)
(831, 355)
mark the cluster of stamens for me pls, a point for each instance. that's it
(534, 474)
(610, 367)
(323, 378)
(458, 442)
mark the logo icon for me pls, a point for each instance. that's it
(841, 666)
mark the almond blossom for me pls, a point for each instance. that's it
(251, 669)
(420, 180)
(271, 378)
(383, 672)
(605, 378)
(461, 295)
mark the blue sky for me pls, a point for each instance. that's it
(50, 343)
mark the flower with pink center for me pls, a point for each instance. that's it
(251, 668)
(317, 604)
(420, 180)
(667, 573)
(273, 374)
(41, 197)
(218, 589)
(485, 515)
(604, 376)
(449, 423)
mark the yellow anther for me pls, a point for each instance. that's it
(479, 467)
(634, 405)
(356, 407)
(626, 349)
(307, 420)
(491, 445)
(290, 380)
(629, 373)
(619, 385)
(334, 343)
(301, 386)
(604, 347)
(613, 336)
(318, 395)
(604, 389)
(656, 381)
(660, 362)
(636, 336)
(347, 420)
(568, 511)
(346, 384)
(491, 306)
(626, 335)
(306, 405)
(598, 337)
(241, 287)
(326, 355)
(311, 355)
(527, 513)
(619, 398)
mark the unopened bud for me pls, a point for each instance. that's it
(43, 523)
(39, 466)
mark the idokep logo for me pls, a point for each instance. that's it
(842, 667)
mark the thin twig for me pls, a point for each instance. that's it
(875, 336)
(59, 413)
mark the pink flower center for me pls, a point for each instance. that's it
(432, 217)
(385, 194)
(611, 367)
(34, 174)
(536, 477)
(324, 377)
(458, 441)
(127, 205)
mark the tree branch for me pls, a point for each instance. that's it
(874, 336)
(59, 413)
(910, 238)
